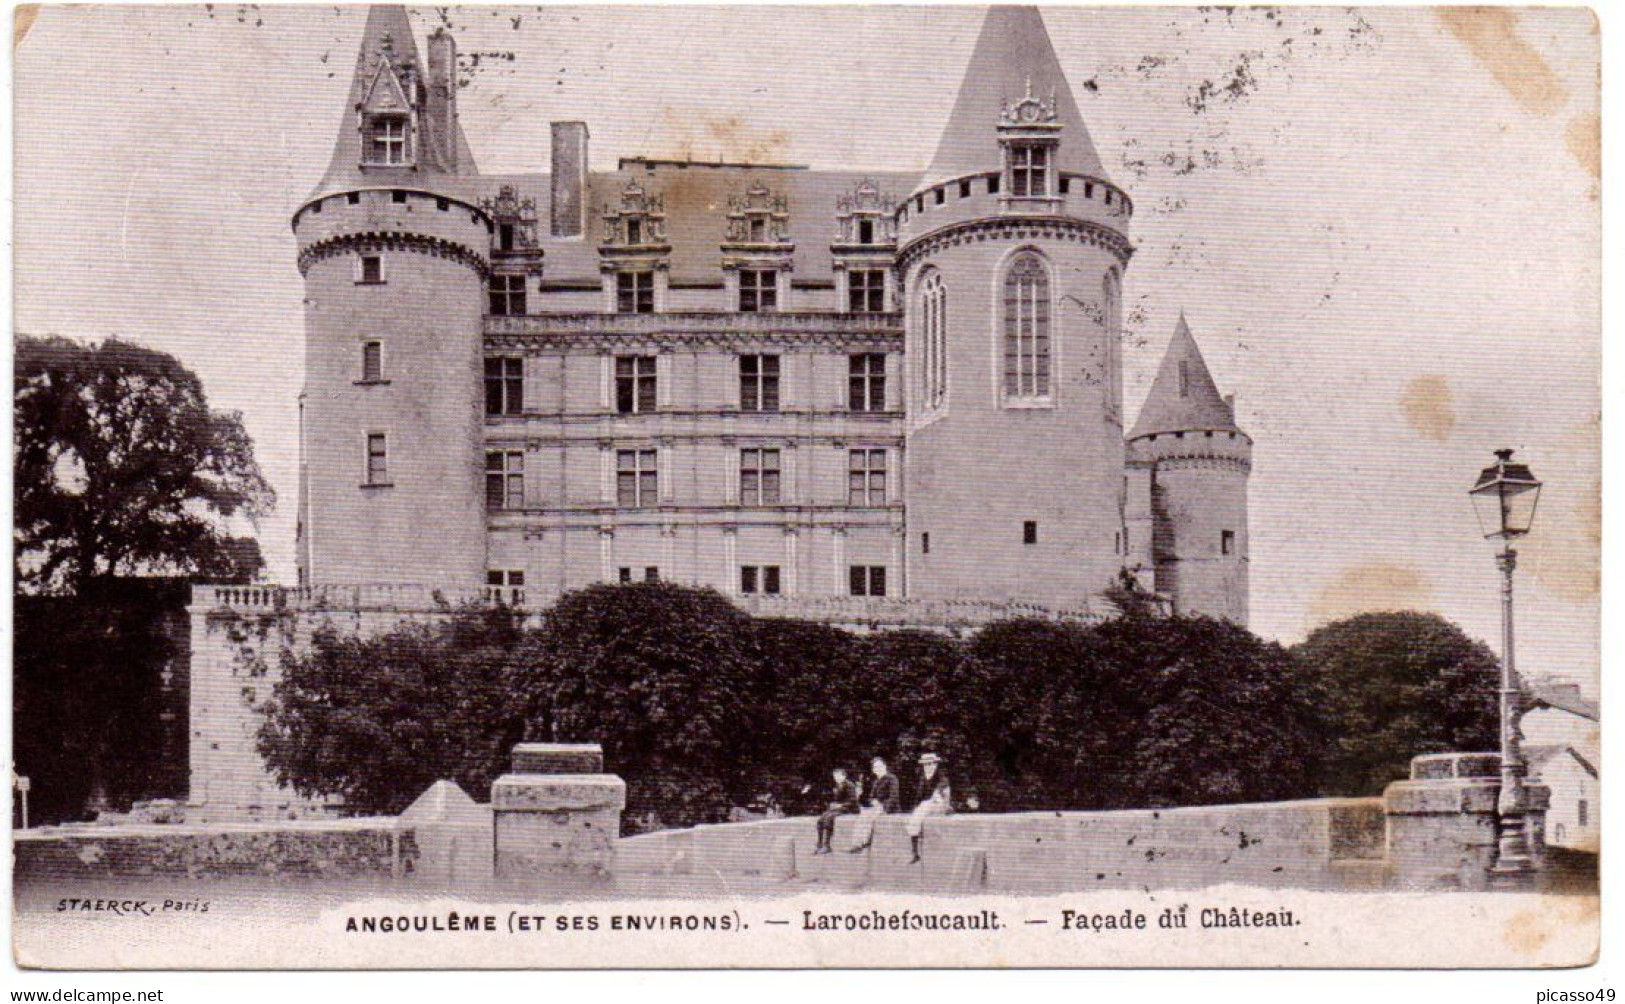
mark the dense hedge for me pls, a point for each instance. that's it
(701, 707)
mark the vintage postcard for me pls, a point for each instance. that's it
(846, 486)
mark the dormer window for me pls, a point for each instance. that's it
(634, 231)
(758, 290)
(386, 140)
(866, 231)
(1029, 171)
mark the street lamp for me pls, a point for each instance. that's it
(1505, 498)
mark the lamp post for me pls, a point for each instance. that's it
(1505, 498)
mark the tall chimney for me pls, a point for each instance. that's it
(442, 99)
(569, 208)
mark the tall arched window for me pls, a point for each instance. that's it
(1112, 298)
(934, 340)
(1026, 328)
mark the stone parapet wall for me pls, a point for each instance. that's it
(311, 848)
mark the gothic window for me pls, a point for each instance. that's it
(1029, 170)
(934, 339)
(758, 477)
(634, 384)
(1113, 299)
(386, 140)
(637, 479)
(504, 385)
(758, 383)
(1026, 328)
(866, 477)
(635, 292)
(758, 290)
(505, 479)
(866, 381)
(866, 290)
(507, 295)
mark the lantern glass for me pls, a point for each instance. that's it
(1505, 498)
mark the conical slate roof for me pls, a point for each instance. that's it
(1012, 53)
(1183, 397)
(388, 34)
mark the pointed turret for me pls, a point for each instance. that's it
(1013, 61)
(400, 122)
(1184, 397)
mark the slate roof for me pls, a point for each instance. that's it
(1200, 407)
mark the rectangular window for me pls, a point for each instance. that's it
(758, 383)
(377, 458)
(1029, 532)
(866, 231)
(651, 573)
(505, 237)
(964, 189)
(506, 585)
(762, 579)
(372, 361)
(635, 292)
(758, 477)
(867, 580)
(758, 290)
(398, 196)
(444, 205)
(353, 198)
(386, 140)
(925, 543)
(1227, 542)
(634, 384)
(504, 385)
(372, 269)
(1029, 171)
(866, 381)
(993, 184)
(505, 479)
(758, 230)
(507, 295)
(866, 291)
(637, 479)
(866, 477)
(1582, 809)
(634, 231)
(625, 575)
(1065, 184)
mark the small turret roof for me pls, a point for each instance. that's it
(1183, 397)
(1013, 57)
(387, 35)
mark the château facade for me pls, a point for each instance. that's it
(775, 381)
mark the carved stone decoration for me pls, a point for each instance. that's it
(639, 221)
(758, 217)
(865, 204)
(507, 207)
(1028, 111)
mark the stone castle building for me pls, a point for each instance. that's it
(758, 377)
(873, 399)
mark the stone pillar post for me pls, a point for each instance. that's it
(558, 813)
(1442, 822)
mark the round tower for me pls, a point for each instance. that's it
(1011, 252)
(1193, 462)
(394, 260)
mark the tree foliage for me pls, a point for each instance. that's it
(1395, 685)
(699, 707)
(121, 468)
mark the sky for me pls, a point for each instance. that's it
(1382, 225)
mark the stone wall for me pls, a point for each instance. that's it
(310, 848)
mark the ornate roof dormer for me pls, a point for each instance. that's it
(758, 217)
(865, 218)
(513, 223)
(638, 222)
(1029, 111)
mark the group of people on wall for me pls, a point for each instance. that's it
(881, 795)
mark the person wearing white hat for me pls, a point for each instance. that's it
(937, 800)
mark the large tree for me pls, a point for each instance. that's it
(122, 468)
(1395, 685)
